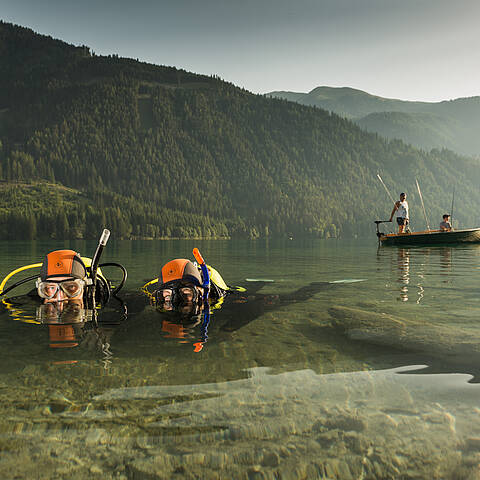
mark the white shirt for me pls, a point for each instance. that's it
(402, 210)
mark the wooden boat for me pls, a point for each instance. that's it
(429, 237)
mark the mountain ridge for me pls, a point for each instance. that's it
(462, 114)
(158, 152)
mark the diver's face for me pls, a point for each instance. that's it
(183, 299)
(57, 294)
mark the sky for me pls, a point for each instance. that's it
(408, 49)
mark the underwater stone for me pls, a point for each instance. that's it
(96, 470)
(347, 422)
(271, 459)
(472, 443)
(194, 458)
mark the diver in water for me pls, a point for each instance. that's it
(181, 287)
(65, 276)
(71, 290)
(187, 294)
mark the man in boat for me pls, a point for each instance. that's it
(401, 209)
(445, 225)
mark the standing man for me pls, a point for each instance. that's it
(401, 207)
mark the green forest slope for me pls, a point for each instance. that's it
(450, 124)
(150, 151)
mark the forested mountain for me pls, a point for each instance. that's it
(450, 124)
(88, 141)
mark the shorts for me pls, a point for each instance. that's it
(402, 221)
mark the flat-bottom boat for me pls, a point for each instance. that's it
(429, 237)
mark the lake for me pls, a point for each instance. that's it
(346, 361)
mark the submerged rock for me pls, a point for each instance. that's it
(408, 334)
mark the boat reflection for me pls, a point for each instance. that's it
(410, 265)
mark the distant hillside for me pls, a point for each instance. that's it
(88, 141)
(451, 124)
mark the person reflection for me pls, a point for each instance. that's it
(403, 261)
(70, 326)
(66, 322)
(445, 260)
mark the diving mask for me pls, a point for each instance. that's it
(71, 288)
(177, 295)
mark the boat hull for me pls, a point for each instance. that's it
(432, 237)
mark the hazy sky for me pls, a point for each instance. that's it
(409, 49)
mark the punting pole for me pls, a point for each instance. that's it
(451, 210)
(385, 187)
(423, 206)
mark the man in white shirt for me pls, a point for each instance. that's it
(401, 207)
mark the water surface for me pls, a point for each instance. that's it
(370, 370)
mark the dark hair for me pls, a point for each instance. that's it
(403, 194)
(446, 215)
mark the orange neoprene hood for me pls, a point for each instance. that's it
(179, 270)
(63, 263)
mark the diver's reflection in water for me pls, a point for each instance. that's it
(403, 261)
(66, 321)
(70, 326)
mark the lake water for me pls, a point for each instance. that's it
(351, 362)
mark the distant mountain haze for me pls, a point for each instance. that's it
(88, 142)
(452, 124)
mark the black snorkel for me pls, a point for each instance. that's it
(94, 266)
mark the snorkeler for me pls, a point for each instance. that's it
(67, 282)
(187, 294)
(71, 290)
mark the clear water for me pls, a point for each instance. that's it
(372, 374)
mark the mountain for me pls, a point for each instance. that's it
(90, 141)
(450, 124)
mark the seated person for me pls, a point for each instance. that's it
(445, 225)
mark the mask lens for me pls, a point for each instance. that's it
(187, 293)
(165, 295)
(72, 288)
(47, 289)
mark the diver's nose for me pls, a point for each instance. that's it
(60, 295)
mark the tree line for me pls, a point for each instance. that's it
(156, 152)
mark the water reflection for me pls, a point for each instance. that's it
(403, 261)
(70, 329)
(413, 265)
